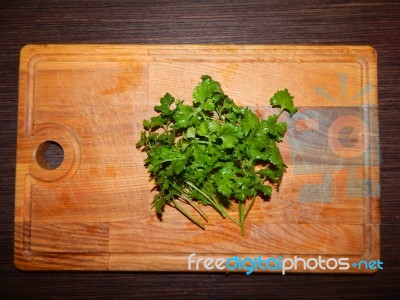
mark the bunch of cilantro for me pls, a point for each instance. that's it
(213, 152)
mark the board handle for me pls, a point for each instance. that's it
(48, 135)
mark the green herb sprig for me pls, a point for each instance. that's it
(213, 152)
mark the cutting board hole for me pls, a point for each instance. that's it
(50, 155)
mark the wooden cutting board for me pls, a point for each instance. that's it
(93, 211)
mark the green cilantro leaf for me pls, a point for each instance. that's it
(275, 156)
(208, 105)
(284, 100)
(165, 102)
(249, 121)
(190, 133)
(183, 116)
(206, 89)
(266, 190)
(230, 135)
(272, 127)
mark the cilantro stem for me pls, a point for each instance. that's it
(203, 116)
(218, 207)
(161, 162)
(241, 216)
(225, 213)
(187, 214)
(196, 207)
(279, 114)
(249, 207)
(218, 113)
(207, 197)
(186, 197)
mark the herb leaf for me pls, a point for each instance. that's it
(284, 100)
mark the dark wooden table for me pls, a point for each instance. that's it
(174, 22)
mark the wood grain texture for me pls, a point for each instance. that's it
(91, 100)
(317, 22)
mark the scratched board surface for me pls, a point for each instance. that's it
(93, 211)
